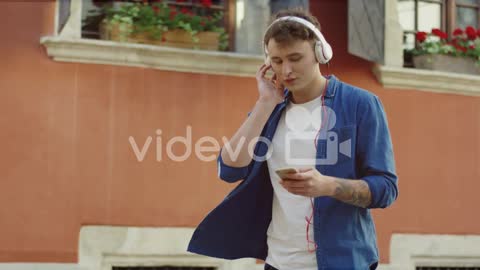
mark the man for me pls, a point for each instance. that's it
(334, 139)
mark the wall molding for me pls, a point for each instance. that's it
(427, 80)
(141, 55)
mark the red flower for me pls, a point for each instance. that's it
(478, 32)
(472, 47)
(472, 37)
(439, 33)
(206, 3)
(421, 36)
(173, 13)
(186, 11)
(471, 33)
(156, 9)
(460, 48)
(457, 32)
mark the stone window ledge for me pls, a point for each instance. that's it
(141, 55)
(427, 80)
(103, 247)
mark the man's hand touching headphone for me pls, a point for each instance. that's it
(270, 90)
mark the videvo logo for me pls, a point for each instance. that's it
(301, 129)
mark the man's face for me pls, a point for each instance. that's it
(294, 63)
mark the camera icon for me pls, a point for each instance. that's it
(300, 141)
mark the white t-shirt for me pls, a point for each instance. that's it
(292, 146)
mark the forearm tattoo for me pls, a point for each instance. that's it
(355, 192)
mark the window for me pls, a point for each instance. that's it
(92, 15)
(76, 40)
(380, 24)
(467, 13)
(419, 15)
(423, 15)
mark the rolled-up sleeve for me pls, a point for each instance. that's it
(228, 173)
(375, 153)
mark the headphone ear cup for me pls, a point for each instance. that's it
(318, 52)
(323, 52)
(267, 57)
(267, 60)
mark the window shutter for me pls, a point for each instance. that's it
(277, 5)
(366, 29)
(63, 13)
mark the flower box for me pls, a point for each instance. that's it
(197, 26)
(446, 63)
(436, 51)
(207, 40)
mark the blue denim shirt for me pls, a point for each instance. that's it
(344, 234)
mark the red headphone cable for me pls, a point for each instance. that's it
(309, 219)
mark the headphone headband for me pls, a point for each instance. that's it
(323, 54)
(306, 23)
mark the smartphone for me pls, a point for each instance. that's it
(282, 172)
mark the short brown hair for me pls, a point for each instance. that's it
(284, 32)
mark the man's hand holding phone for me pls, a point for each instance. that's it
(284, 172)
(308, 182)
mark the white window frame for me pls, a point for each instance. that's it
(68, 46)
(102, 247)
(407, 251)
(393, 75)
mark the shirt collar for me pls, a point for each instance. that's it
(331, 88)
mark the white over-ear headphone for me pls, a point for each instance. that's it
(323, 50)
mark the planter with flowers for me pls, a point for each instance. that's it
(461, 54)
(164, 24)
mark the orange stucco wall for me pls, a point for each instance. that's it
(66, 159)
